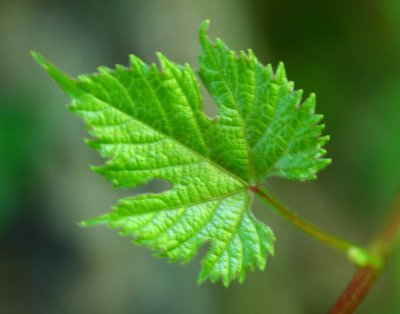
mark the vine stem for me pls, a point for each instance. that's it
(365, 277)
(356, 254)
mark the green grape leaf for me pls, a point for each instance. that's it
(149, 124)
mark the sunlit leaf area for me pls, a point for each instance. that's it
(346, 52)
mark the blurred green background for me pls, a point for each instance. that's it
(348, 52)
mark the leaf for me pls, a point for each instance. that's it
(149, 123)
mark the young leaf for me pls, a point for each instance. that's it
(149, 123)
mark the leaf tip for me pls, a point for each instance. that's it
(280, 72)
(201, 278)
(66, 82)
(83, 224)
(95, 221)
(45, 64)
(203, 29)
(40, 59)
(323, 140)
(328, 161)
(204, 25)
(164, 61)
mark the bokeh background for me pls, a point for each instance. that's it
(348, 52)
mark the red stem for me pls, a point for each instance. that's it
(365, 277)
(356, 291)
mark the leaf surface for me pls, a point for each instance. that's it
(148, 122)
